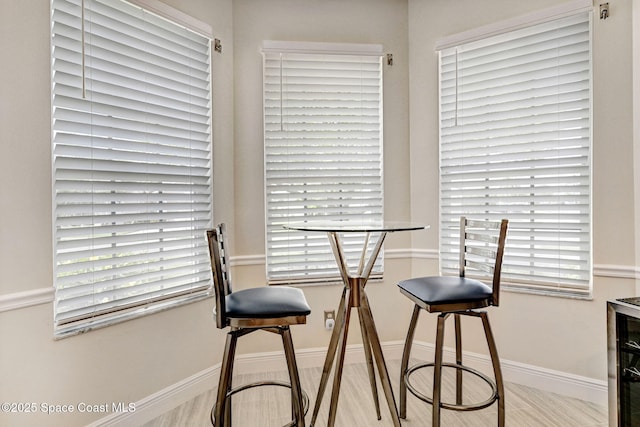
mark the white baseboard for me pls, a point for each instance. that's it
(541, 378)
(164, 400)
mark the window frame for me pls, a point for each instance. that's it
(561, 286)
(315, 262)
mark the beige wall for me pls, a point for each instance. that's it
(135, 359)
(354, 21)
(122, 363)
(549, 332)
(561, 334)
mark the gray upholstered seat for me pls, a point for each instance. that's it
(267, 302)
(442, 290)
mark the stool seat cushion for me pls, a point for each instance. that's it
(267, 302)
(437, 290)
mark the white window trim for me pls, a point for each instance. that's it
(362, 49)
(560, 11)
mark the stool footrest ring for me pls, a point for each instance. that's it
(452, 406)
(305, 397)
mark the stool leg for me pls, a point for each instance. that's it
(406, 353)
(493, 351)
(437, 371)
(458, 358)
(296, 390)
(222, 411)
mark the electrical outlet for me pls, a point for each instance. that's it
(329, 319)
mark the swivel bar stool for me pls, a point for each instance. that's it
(271, 309)
(481, 250)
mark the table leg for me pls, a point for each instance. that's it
(376, 347)
(331, 352)
(354, 296)
(366, 343)
(406, 354)
(337, 375)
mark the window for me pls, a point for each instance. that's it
(323, 151)
(131, 162)
(515, 143)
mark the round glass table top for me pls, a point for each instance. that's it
(354, 226)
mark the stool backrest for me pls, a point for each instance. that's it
(482, 249)
(219, 253)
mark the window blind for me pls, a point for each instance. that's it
(323, 152)
(515, 142)
(131, 162)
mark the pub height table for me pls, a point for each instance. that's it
(354, 296)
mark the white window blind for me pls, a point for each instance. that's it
(515, 143)
(323, 152)
(131, 162)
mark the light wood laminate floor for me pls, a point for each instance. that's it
(269, 406)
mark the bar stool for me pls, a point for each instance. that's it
(481, 251)
(271, 309)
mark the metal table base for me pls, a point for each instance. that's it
(355, 296)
